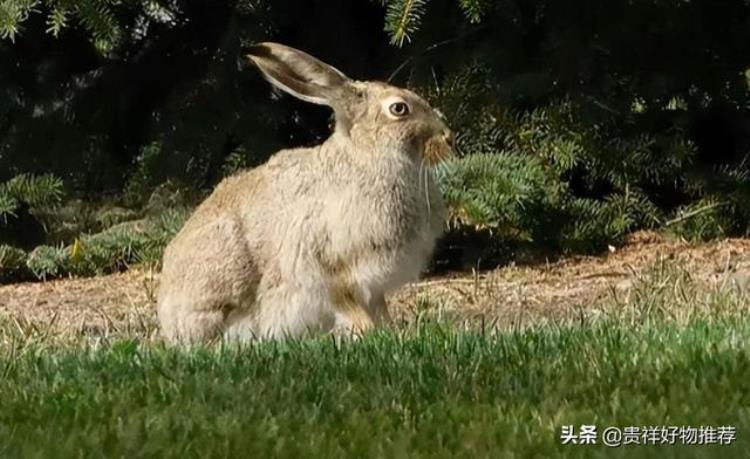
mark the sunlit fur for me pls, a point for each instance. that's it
(313, 239)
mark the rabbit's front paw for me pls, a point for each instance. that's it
(352, 325)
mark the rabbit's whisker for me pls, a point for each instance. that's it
(425, 173)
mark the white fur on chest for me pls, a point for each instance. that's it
(386, 244)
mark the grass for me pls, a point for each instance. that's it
(430, 392)
(670, 353)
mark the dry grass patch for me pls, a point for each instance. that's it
(629, 280)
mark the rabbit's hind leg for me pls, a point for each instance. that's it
(208, 272)
(194, 327)
(284, 309)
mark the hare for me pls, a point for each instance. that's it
(312, 240)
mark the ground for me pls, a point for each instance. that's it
(120, 303)
(654, 336)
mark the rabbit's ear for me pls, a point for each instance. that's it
(298, 73)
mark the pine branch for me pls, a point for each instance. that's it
(11, 258)
(12, 14)
(431, 48)
(475, 10)
(8, 205)
(97, 17)
(695, 213)
(403, 18)
(37, 191)
(57, 20)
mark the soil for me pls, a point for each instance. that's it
(117, 303)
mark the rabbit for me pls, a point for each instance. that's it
(313, 239)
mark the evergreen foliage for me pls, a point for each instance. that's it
(504, 192)
(115, 249)
(12, 262)
(554, 178)
(577, 122)
(403, 18)
(78, 238)
(22, 200)
(37, 192)
(98, 17)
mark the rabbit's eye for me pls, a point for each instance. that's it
(399, 109)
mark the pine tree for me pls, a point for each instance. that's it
(574, 129)
(403, 18)
(548, 176)
(98, 17)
